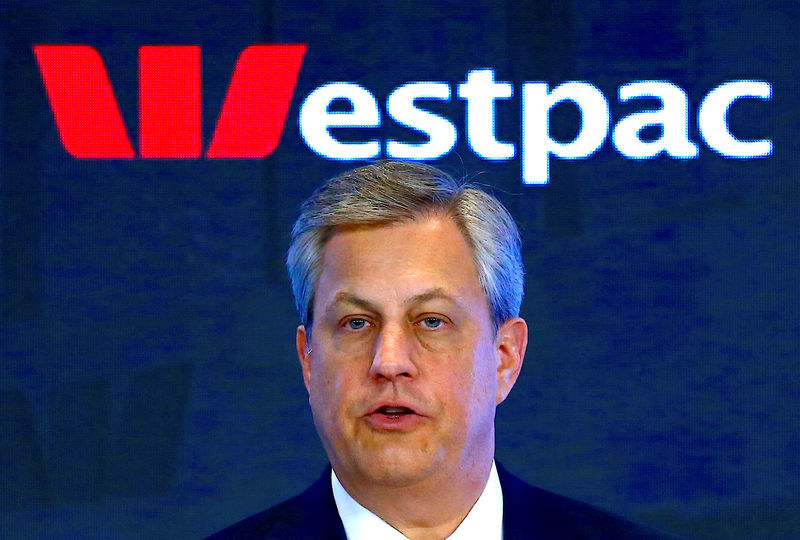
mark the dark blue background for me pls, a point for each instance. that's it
(148, 383)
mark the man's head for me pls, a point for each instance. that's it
(394, 192)
(408, 286)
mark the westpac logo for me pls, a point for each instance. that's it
(254, 112)
(90, 124)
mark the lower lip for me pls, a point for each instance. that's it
(397, 422)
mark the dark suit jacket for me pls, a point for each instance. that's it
(528, 513)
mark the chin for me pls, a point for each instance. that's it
(398, 466)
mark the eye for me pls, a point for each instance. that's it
(356, 323)
(431, 323)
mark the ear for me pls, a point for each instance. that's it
(510, 345)
(304, 355)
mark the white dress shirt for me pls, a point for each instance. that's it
(484, 521)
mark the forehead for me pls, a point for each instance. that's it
(398, 261)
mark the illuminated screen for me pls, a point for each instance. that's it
(153, 157)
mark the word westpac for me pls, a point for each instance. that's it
(256, 105)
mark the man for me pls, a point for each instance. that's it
(408, 287)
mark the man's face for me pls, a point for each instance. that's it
(404, 369)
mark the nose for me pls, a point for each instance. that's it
(392, 356)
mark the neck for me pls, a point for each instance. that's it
(429, 509)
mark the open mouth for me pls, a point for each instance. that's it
(394, 412)
(395, 417)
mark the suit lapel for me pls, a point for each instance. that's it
(317, 509)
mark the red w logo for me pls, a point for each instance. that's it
(90, 125)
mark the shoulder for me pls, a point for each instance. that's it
(310, 515)
(530, 512)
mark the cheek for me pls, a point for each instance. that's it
(353, 345)
(460, 391)
(483, 383)
(440, 344)
(467, 375)
(331, 389)
(322, 388)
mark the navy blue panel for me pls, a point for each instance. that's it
(148, 381)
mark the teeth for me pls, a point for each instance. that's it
(395, 410)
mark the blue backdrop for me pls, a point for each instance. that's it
(148, 383)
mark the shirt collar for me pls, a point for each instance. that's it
(484, 521)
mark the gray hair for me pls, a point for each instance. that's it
(393, 191)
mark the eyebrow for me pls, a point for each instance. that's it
(343, 297)
(435, 293)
